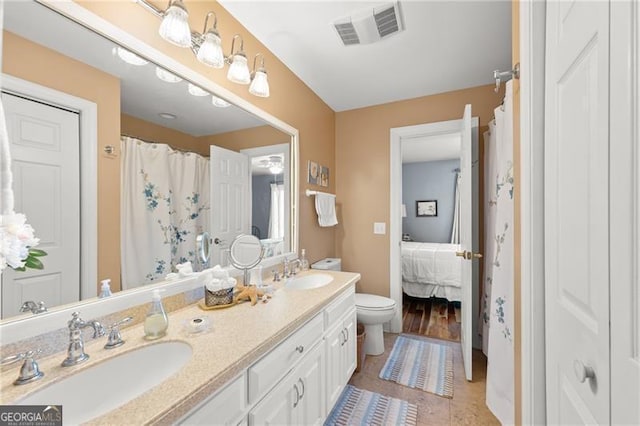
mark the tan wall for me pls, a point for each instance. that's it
(363, 173)
(291, 100)
(248, 138)
(35, 63)
(151, 132)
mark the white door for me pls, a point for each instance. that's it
(466, 241)
(229, 192)
(577, 252)
(45, 146)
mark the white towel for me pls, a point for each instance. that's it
(326, 209)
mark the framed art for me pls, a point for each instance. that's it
(313, 173)
(426, 208)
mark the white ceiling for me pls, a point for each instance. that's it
(431, 148)
(446, 45)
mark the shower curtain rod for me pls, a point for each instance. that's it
(186, 151)
(506, 75)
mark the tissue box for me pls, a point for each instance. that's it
(218, 297)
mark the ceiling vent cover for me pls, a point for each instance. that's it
(370, 25)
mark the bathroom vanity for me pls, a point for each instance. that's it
(285, 362)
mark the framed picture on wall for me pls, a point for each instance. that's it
(426, 208)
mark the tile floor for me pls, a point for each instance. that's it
(467, 406)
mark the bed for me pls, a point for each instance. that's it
(431, 270)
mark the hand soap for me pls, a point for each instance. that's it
(304, 263)
(105, 290)
(157, 322)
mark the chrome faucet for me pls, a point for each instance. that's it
(29, 371)
(35, 308)
(289, 267)
(75, 352)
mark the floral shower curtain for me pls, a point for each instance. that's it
(165, 205)
(497, 317)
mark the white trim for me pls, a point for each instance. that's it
(88, 115)
(395, 217)
(533, 383)
(22, 327)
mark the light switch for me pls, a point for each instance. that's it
(379, 228)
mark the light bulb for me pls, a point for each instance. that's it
(175, 25)
(220, 103)
(130, 57)
(210, 51)
(165, 75)
(275, 169)
(239, 70)
(260, 85)
(197, 91)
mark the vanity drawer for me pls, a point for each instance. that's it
(338, 307)
(265, 373)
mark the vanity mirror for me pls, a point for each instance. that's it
(143, 94)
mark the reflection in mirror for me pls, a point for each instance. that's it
(203, 242)
(112, 97)
(245, 252)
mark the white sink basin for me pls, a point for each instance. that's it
(307, 282)
(113, 382)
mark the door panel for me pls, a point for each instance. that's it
(577, 248)
(45, 146)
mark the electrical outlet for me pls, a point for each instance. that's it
(379, 228)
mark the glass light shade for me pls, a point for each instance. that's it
(239, 70)
(165, 75)
(175, 25)
(275, 169)
(130, 57)
(197, 91)
(210, 52)
(260, 85)
(220, 103)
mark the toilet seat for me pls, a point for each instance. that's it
(373, 302)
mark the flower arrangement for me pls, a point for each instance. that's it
(17, 242)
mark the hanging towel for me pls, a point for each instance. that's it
(326, 209)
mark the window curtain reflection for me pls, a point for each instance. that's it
(164, 206)
(455, 229)
(276, 216)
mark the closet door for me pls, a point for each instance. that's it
(577, 251)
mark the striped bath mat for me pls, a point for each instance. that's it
(420, 364)
(360, 407)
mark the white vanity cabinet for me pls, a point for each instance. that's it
(299, 399)
(225, 407)
(340, 346)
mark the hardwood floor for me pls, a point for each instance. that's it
(467, 406)
(431, 317)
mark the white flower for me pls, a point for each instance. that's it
(16, 238)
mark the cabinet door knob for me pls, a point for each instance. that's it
(295, 388)
(300, 348)
(346, 333)
(583, 372)
(302, 385)
(343, 338)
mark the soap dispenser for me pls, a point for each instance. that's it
(156, 323)
(105, 290)
(304, 263)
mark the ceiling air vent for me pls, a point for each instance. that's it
(369, 25)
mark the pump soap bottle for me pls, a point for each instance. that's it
(156, 323)
(304, 263)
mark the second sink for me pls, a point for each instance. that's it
(109, 384)
(307, 282)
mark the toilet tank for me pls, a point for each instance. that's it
(328, 264)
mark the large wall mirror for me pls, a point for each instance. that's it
(130, 209)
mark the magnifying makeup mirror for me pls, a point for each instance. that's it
(203, 246)
(245, 253)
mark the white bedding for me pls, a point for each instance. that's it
(431, 269)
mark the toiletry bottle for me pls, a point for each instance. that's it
(105, 290)
(156, 323)
(304, 263)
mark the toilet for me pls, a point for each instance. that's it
(371, 310)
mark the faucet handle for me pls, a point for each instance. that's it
(30, 371)
(115, 338)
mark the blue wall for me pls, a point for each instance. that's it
(261, 201)
(433, 180)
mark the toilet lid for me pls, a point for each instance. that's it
(373, 301)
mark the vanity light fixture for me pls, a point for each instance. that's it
(238, 68)
(197, 91)
(210, 50)
(175, 24)
(220, 103)
(167, 76)
(259, 83)
(129, 57)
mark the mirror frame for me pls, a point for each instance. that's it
(22, 327)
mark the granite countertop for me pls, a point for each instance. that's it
(237, 337)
